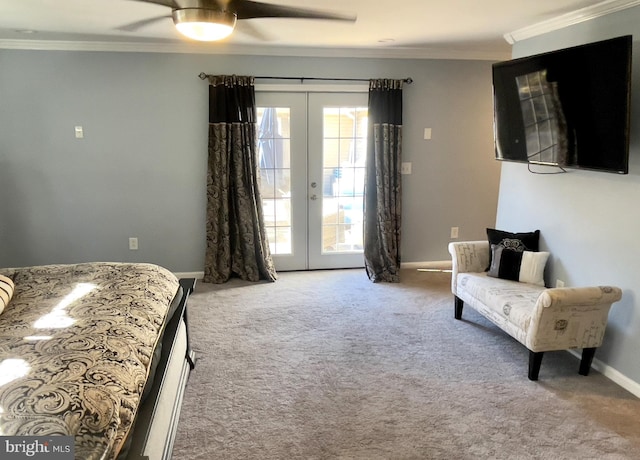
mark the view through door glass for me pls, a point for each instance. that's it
(312, 177)
(274, 137)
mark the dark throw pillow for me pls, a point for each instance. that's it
(526, 241)
(522, 266)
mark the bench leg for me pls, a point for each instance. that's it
(587, 359)
(458, 304)
(535, 359)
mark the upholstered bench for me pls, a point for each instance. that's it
(542, 319)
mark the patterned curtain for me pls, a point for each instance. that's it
(236, 238)
(383, 187)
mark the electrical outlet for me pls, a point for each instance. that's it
(559, 283)
(405, 168)
(454, 232)
(133, 244)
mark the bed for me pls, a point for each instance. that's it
(97, 351)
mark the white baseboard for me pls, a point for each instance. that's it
(430, 265)
(437, 264)
(196, 275)
(612, 374)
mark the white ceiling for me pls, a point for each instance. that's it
(427, 28)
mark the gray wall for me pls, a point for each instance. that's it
(589, 221)
(140, 170)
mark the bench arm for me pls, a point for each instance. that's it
(572, 317)
(585, 296)
(467, 257)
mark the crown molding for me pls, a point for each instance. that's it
(191, 48)
(575, 17)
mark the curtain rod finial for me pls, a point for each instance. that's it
(202, 75)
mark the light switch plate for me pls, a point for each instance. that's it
(133, 244)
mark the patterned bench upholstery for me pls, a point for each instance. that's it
(542, 319)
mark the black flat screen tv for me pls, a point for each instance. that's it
(568, 108)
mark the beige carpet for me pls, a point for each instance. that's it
(327, 365)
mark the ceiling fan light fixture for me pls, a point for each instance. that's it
(204, 24)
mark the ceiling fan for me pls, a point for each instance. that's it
(209, 20)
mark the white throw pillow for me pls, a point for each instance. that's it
(532, 267)
(6, 291)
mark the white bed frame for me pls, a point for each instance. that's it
(157, 420)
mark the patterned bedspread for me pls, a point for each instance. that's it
(76, 343)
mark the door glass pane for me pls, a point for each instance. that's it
(274, 154)
(344, 153)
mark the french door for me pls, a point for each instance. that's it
(312, 149)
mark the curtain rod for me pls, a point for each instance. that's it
(409, 80)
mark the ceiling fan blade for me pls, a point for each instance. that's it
(247, 9)
(169, 3)
(134, 26)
